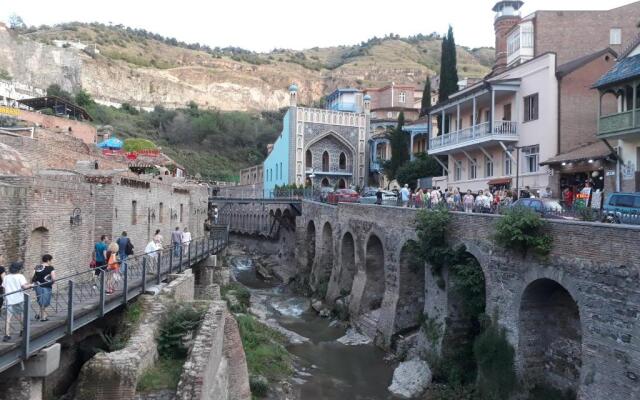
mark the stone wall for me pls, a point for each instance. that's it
(115, 375)
(13, 221)
(586, 292)
(216, 367)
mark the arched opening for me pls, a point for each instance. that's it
(311, 245)
(374, 286)
(608, 103)
(325, 182)
(325, 161)
(37, 246)
(343, 161)
(342, 184)
(550, 344)
(466, 302)
(348, 261)
(410, 305)
(325, 263)
(308, 159)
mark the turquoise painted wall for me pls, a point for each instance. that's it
(276, 166)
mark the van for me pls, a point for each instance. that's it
(623, 206)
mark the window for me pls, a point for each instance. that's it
(160, 212)
(343, 161)
(488, 167)
(181, 211)
(389, 114)
(309, 159)
(615, 36)
(473, 169)
(487, 115)
(508, 164)
(134, 212)
(402, 98)
(506, 113)
(457, 170)
(531, 107)
(325, 161)
(531, 155)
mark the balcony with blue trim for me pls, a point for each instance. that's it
(346, 100)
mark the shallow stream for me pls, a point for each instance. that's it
(327, 369)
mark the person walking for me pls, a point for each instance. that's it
(468, 202)
(13, 284)
(405, 194)
(43, 277)
(158, 239)
(125, 249)
(379, 197)
(176, 241)
(100, 256)
(151, 253)
(186, 240)
(215, 214)
(2, 275)
(113, 268)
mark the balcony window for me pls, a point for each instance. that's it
(488, 167)
(531, 158)
(506, 112)
(508, 164)
(325, 161)
(473, 169)
(531, 108)
(309, 159)
(457, 170)
(343, 161)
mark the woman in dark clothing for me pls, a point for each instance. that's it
(43, 278)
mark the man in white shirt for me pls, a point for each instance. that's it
(151, 252)
(186, 240)
(404, 195)
(13, 284)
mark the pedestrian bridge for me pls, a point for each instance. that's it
(82, 298)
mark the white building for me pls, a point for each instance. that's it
(11, 92)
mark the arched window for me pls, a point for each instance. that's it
(309, 159)
(343, 161)
(325, 182)
(325, 161)
(342, 184)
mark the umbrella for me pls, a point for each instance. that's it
(111, 143)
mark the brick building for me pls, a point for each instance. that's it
(42, 187)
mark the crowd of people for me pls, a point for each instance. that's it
(108, 257)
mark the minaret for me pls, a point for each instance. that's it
(293, 95)
(367, 104)
(507, 16)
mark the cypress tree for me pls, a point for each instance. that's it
(448, 67)
(398, 139)
(426, 98)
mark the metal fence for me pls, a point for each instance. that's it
(80, 298)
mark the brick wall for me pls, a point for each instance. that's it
(13, 221)
(82, 130)
(579, 103)
(572, 34)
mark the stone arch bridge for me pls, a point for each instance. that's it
(573, 320)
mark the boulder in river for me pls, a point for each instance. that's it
(410, 379)
(354, 338)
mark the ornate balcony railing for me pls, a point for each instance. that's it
(476, 132)
(618, 122)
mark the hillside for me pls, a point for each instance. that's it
(145, 69)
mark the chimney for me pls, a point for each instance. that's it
(507, 16)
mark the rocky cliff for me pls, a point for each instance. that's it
(146, 71)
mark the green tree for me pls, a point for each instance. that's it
(521, 229)
(399, 140)
(83, 99)
(426, 98)
(448, 67)
(421, 166)
(55, 90)
(16, 22)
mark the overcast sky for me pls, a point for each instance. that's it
(263, 25)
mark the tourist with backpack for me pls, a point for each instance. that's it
(125, 249)
(43, 277)
(13, 283)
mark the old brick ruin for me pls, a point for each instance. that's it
(49, 178)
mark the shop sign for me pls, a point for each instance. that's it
(628, 170)
(610, 173)
(9, 111)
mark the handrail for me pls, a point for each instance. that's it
(102, 289)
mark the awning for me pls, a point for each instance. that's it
(499, 181)
(590, 151)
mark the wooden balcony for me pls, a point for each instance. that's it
(619, 124)
(477, 134)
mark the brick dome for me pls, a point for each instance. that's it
(12, 163)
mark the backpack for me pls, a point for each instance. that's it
(128, 250)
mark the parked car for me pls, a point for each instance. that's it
(623, 207)
(389, 198)
(343, 196)
(547, 208)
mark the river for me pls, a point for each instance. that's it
(326, 368)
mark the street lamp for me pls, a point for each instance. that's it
(510, 148)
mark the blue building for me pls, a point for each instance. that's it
(321, 147)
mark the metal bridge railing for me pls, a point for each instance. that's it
(80, 298)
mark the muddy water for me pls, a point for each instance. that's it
(327, 369)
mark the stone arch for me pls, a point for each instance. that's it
(37, 246)
(308, 159)
(348, 263)
(342, 161)
(326, 161)
(325, 262)
(374, 268)
(310, 245)
(325, 182)
(411, 287)
(550, 335)
(342, 184)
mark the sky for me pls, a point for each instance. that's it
(262, 25)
